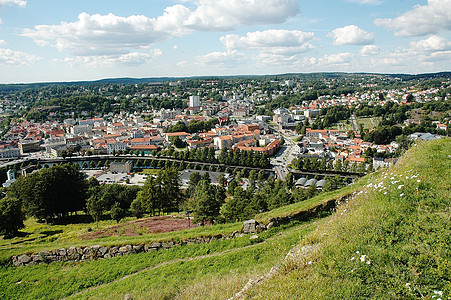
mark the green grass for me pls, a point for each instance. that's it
(50, 237)
(149, 171)
(168, 269)
(369, 123)
(404, 231)
(399, 218)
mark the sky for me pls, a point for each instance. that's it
(61, 40)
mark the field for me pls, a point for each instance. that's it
(368, 123)
(389, 240)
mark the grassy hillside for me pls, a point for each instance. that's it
(392, 240)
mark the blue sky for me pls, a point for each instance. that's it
(54, 40)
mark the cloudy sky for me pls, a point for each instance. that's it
(54, 40)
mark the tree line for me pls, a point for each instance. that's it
(58, 191)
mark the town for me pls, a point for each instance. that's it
(284, 118)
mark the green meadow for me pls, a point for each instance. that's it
(390, 240)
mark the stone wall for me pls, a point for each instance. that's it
(99, 252)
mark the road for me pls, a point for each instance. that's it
(285, 155)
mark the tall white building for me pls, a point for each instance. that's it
(194, 101)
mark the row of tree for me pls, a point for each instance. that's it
(315, 165)
(233, 157)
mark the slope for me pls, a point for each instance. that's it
(391, 240)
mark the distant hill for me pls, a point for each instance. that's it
(128, 80)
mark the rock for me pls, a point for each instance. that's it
(127, 297)
(270, 225)
(234, 233)
(126, 249)
(62, 252)
(95, 248)
(72, 253)
(155, 245)
(87, 251)
(44, 254)
(250, 226)
(260, 227)
(138, 248)
(167, 245)
(37, 258)
(23, 259)
(102, 251)
(253, 237)
(114, 250)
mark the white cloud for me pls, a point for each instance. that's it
(351, 35)
(110, 34)
(1, 21)
(222, 59)
(369, 50)
(98, 34)
(226, 14)
(337, 59)
(21, 3)
(372, 2)
(272, 41)
(432, 43)
(269, 59)
(128, 59)
(421, 20)
(11, 57)
(2, 42)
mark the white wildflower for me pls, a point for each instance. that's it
(368, 262)
(363, 258)
(418, 180)
(440, 293)
(352, 258)
(408, 285)
(401, 195)
(400, 186)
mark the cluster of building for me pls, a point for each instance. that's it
(335, 145)
(129, 132)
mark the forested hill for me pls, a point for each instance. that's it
(127, 80)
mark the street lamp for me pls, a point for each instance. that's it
(187, 213)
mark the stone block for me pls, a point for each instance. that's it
(23, 259)
(250, 226)
(102, 251)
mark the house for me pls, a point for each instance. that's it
(182, 135)
(121, 167)
(146, 149)
(223, 141)
(9, 153)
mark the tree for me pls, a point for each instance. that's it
(137, 208)
(117, 213)
(235, 208)
(206, 176)
(205, 205)
(11, 216)
(51, 192)
(95, 206)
